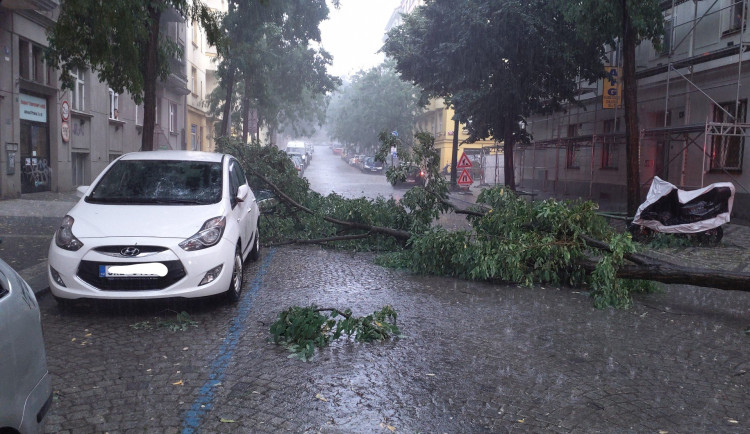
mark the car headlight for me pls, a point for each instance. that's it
(64, 237)
(208, 236)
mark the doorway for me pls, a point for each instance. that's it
(35, 161)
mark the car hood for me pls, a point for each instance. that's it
(160, 221)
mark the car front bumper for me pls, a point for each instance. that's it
(74, 268)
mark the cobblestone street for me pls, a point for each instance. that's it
(473, 357)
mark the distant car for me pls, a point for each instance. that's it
(414, 176)
(337, 150)
(25, 384)
(298, 163)
(158, 224)
(370, 165)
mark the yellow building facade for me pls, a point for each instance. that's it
(438, 121)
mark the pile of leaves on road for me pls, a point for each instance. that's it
(511, 240)
(303, 329)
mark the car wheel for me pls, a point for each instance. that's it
(235, 286)
(254, 254)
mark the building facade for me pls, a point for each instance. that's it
(55, 140)
(692, 111)
(202, 63)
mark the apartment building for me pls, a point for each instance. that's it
(692, 110)
(54, 140)
(202, 63)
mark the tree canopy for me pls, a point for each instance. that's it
(374, 101)
(497, 61)
(270, 55)
(121, 41)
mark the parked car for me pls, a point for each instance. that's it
(370, 165)
(299, 163)
(25, 384)
(414, 176)
(156, 225)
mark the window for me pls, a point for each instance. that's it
(24, 66)
(726, 151)
(571, 156)
(611, 126)
(114, 109)
(609, 155)
(157, 111)
(734, 16)
(573, 130)
(79, 168)
(172, 117)
(196, 34)
(194, 137)
(79, 94)
(666, 39)
(195, 81)
(139, 114)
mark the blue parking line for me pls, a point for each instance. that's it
(204, 401)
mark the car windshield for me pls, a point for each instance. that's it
(159, 182)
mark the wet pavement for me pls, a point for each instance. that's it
(474, 357)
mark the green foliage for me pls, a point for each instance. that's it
(303, 329)
(115, 43)
(662, 241)
(182, 322)
(272, 63)
(527, 243)
(286, 222)
(376, 100)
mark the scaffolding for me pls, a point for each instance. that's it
(676, 69)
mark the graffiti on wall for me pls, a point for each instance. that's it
(36, 171)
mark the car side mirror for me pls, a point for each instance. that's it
(81, 190)
(243, 192)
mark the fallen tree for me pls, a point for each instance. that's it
(511, 239)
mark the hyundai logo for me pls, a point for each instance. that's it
(130, 251)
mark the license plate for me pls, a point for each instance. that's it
(154, 269)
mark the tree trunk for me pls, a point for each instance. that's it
(630, 94)
(674, 274)
(454, 151)
(226, 116)
(246, 111)
(150, 76)
(510, 180)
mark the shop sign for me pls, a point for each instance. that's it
(612, 96)
(32, 108)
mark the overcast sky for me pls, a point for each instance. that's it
(354, 33)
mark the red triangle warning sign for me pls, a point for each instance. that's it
(464, 162)
(464, 178)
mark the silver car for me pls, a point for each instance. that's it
(25, 384)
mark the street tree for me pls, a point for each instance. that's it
(375, 101)
(629, 22)
(122, 41)
(499, 61)
(270, 60)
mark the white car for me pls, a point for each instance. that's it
(155, 225)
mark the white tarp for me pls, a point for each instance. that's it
(660, 188)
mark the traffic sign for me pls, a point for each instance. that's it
(464, 162)
(464, 178)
